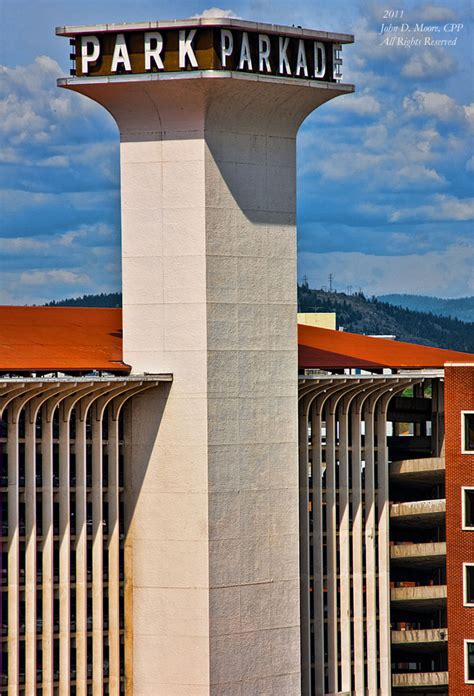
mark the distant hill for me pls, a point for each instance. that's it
(460, 308)
(355, 313)
(359, 314)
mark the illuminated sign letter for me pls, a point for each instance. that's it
(337, 61)
(186, 48)
(120, 54)
(301, 64)
(227, 46)
(264, 53)
(245, 53)
(86, 42)
(319, 59)
(153, 48)
(283, 63)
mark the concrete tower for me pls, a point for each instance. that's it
(208, 112)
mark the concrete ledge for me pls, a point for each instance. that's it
(420, 679)
(428, 635)
(421, 470)
(416, 593)
(420, 554)
(423, 509)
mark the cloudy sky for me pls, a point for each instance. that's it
(385, 195)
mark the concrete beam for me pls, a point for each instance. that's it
(429, 635)
(419, 554)
(420, 679)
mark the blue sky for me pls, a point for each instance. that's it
(385, 195)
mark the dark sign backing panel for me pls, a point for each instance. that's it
(214, 48)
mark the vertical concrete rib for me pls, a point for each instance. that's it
(331, 548)
(113, 554)
(128, 550)
(357, 550)
(370, 549)
(48, 547)
(304, 548)
(13, 549)
(97, 558)
(383, 548)
(64, 554)
(30, 556)
(317, 541)
(81, 554)
(344, 547)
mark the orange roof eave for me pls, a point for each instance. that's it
(329, 349)
(61, 339)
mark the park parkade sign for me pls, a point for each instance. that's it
(292, 54)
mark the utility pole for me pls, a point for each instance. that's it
(330, 282)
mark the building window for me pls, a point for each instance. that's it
(469, 584)
(467, 429)
(468, 508)
(469, 661)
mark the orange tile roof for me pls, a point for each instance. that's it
(63, 339)
(81, 339)
(328, 349)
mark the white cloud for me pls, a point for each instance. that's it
(436, 105)
(363, 105)
(435, 13)
(396, 152)
(98, 233)
(419, 173)
(18, 245)
(435, 62)
(469, 113)
(447, 272)
(34, 111)
(53, 277)
(216, 13)
(441, 207)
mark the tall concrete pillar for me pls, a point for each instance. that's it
(209, 294)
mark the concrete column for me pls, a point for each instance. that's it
(13, 548)
(113, 499)
(48, 543)
(305, 570)
(318, 566)
(97, 558)
(383, 513)
(370, 552)
(81, 555)
(30, 557)
(331, 549)
(64, 555)
(344, 547)
(357, 549)
(209, 287)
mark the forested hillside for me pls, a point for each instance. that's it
(359, 314)
(355, 313)
(458, 308)
(112, 299)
